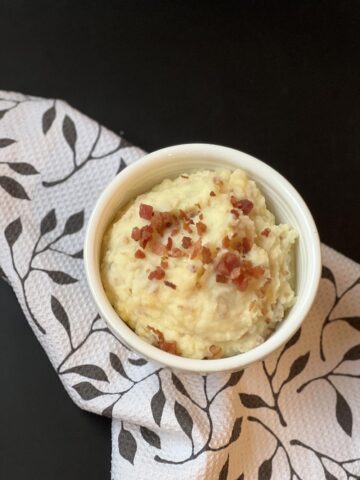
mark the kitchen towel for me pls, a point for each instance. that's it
(294, 416)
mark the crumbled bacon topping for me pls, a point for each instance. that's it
(201, 228)
(170, 284)
(226, 242)
(241, 282)
(245, 205)
(187, 226)
(146, 211)
(186, 242)
(266, 232)
(169, 243)
(183, 215)
(246, 245)
(164, 264)
(206, 255)
(256, 272)
(157, 274)
(135, 234)
(196, 249)
(212, 194)
(221, 278)
(161, 343)
(175, 231)
(235, 212)
(176, 252)
(146, 233)
(158, 248)
(139, 254)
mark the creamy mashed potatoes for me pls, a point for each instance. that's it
(198, 267)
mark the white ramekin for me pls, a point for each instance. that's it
(282, 199)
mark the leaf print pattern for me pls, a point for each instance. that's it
(182, 423)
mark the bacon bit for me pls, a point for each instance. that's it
(235, 273)
(177, 253)
(201, 228)
(221, 278)
(158, 248)
(241, 282)
(157, 274)
(226, 242)
(145, 235)
(235, 213)
(245, 205)
(266, 232)
(215, 351)
(168, 219)
(246, 245)
(146, 211)
(201, 216)
(169, 347)
(183, 215)
(169, 244)
(187, 227)
(135, 234)
(175, 231)
(256, 272)
(184, 176)
(212, 194)
(170, 284)
(196, 249)
(186, 242)
(164, 264)
(139, 254)
(206, 255)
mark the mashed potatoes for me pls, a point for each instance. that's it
(197, 266)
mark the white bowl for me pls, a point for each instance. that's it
(282, 199)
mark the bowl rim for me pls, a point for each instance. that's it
(124, 333)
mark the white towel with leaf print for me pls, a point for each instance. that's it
(296, 415)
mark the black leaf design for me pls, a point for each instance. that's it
(352, 354)
(179, 385)
(74, 223)
(293, 339)
(298, 366)
(223, 475)
(5, 142)
(117, 365)
(184, 419)
(2, 113)
(48, 119)
(48, 223)
(79, 254)
(69, 132)
(250, 400)
(150, 437)
(60, 314)
(89, 371)
(107, 412)
(265, 469)
(328, 475)
(235, 434)
(327, 273)
(157, 405)
(121, 167)
(127, 445)
(138, 362)
(234, 379)
(343, 414)
(61, 278)
(23, 168)
(13, 231)
(13, 188)
(87, 391)
(353, 322)
(241, 477)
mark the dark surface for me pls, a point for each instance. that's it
(278, 80)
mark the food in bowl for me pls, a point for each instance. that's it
(197, 265)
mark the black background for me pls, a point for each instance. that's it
(278, 80)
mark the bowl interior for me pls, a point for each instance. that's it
(282, 200)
